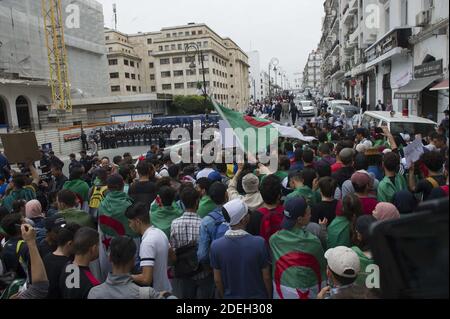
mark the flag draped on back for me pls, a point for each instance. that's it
(299, 266)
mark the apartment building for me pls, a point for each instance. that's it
(312, 71)
(393, 51)
(166, 67)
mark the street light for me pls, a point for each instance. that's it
(273, 63)
(192, 50)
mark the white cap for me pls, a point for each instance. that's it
(236, 210)
(343, 261)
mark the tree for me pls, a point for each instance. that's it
(190, 105)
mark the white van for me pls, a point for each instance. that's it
(397, 123)
(334, 103)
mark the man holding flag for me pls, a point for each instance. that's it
(299, 266)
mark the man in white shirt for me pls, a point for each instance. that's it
(154, 252)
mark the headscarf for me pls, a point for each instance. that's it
(405, 202)
(386, 211)
(33, 209)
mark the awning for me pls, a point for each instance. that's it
(441, 86)
(412, 90)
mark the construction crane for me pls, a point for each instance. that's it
(57, 55)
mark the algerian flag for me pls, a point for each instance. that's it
(299, 266)
(253, 135)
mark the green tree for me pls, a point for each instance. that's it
(189, 105)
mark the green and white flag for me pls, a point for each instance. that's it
(299, 265)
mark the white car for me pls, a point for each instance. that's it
(306, 108)
(397, 123)
(333, 103)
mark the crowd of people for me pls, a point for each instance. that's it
(153, 229)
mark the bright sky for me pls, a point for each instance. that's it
(286, 29)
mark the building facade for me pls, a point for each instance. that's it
(24, 69)
(393, 51)
(166, 67)
(312, 71)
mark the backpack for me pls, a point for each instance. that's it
(98, 193)
(271, 221)
(221, 226)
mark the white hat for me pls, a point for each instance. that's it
(361, 148)
(236, 210)
(343, 261)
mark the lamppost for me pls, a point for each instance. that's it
(192, 50)
(273, 63)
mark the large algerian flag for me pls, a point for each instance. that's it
(299, 266)
(252, 134)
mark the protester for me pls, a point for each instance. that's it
(192, 282)
(154, 250)
(240, 261)
(206, 204)
(393, 182)
(67, 205)
(362, 249)
(326, 208)
(144, 190)
(77, 185)
(250, 185)
(386, 211)
(164, 211)
(85, 249)
(288, 246)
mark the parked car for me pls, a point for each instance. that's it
(306, 108)
(397, 123)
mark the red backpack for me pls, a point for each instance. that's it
(271, 221)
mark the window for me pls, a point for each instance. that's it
(133, 76)
(200, 32)
(134, 89)
(153, 88)
(165, 74)
(191, 85)
(167, 86)
(164, 61)
(110, 49)
(168, 35)
(106, 38)
(214, 71)
(173, 47)
(139, 77)
(161, 48)
(129, 88)
(179, 85)
(140, 89)
(114, 75)
(149, 41)
(214, 83)
(180, 34)
(178, 73)
(187, 33)
(166, 47)
(137, 65)
(115, 88)
(232, 86)
(113, 62)
(151, 65)
(231, 64)
(194, 33)
(126, 62)
(132, 64)
(206, 58)
(150, 52)
(190, 59)
(214, 58)
(152, 76)
(191, 72)
(127, 75)
(180, 46)
(199, 44)
(177, 60)
(201, 71)
(231, 75)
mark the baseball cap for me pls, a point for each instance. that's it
(55, 222)
(215, 176)
(293, 209)
(343, 261)
(361, 178)
(234, 211)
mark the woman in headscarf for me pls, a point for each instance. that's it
(33, 212)
(386, 211)
(405, 202)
